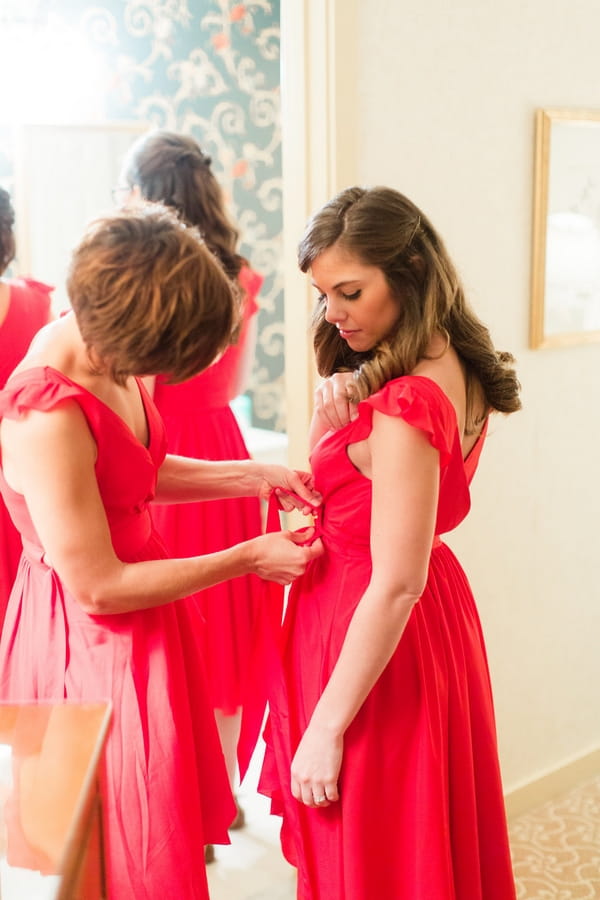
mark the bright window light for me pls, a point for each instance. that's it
(54, 75)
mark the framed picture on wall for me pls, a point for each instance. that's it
(565, 304)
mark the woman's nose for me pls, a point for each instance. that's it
(334, 312)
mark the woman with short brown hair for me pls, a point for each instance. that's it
(97, 609)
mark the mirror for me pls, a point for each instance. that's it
(64, 177)
(211, 70)
(566, 253)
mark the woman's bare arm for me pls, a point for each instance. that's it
(62, 496)
(183, 480)
(405, 475)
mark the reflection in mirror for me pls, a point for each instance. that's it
(65, 176)
(211, 70)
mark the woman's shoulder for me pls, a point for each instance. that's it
(28, 290)
(421, 402)
(25, 304)
(410, 390)
(39, 387)
(26, 283)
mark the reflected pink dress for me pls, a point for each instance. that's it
(28, 311)
(421, 814)
(201, 424)
(167, 788)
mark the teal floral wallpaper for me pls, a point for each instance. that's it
(204, 67)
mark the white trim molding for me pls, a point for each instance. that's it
(545, 787)
(318, 87)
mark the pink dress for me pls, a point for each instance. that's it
(201, 424)
(421, 813)
(167, 792)
(28, 311)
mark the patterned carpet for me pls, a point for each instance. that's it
(556, 847)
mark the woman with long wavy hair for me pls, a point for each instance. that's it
(382, 755)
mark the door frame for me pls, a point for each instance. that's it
(318, 116)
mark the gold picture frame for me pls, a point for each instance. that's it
(565, 289)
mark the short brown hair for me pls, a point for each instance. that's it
(148, 295)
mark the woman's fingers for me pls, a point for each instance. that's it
(315, 796)
(334, 401)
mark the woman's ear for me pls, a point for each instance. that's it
(417, 264)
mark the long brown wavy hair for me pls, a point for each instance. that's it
(383, 228)
(172, 169)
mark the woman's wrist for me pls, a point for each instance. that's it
(253, 476)
(245, 558)
(329, 722)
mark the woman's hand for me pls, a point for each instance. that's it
(282, 556)
(294, 489)
(316, 767)
(332, 400)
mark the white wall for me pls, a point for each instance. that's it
(445, 113)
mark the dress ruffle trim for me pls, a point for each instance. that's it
(421, 403)
(35, 389)
(33, 284)
(251, 283)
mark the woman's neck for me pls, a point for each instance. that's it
(60, 346)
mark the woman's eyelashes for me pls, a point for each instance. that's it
(321, 298)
